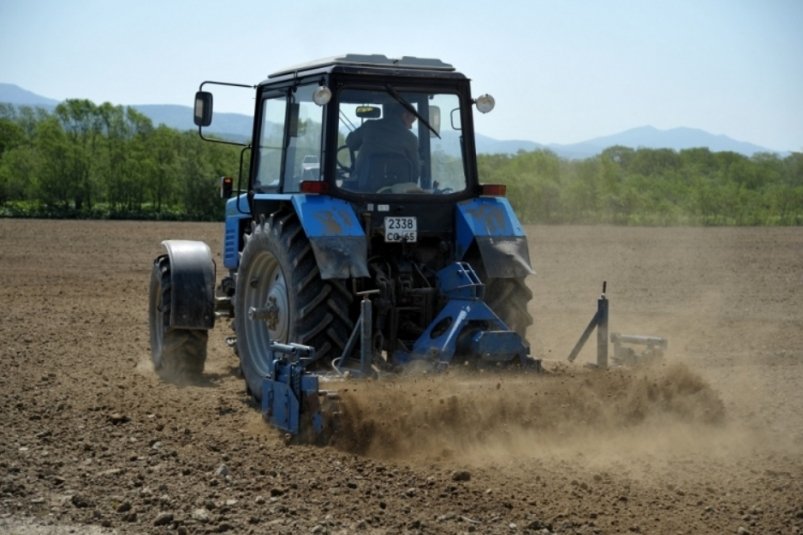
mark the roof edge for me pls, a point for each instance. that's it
(367, 60)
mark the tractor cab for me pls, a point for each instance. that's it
(364, 126)
(378, 126)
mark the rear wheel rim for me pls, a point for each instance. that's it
(267, 288)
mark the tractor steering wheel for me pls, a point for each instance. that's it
(402, 187)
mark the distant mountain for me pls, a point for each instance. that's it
(450, 144)
(14, 94)
(653, 138)
(489, 145)
(180, 117)
(238, 126)
(172, 116)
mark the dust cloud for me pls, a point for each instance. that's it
(603, 416)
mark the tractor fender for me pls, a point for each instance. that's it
(491, 223)
(338, 240)
(192, 284)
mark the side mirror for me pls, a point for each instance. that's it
(435, 120)
(203, 108)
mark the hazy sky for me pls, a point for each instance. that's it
(561, 71)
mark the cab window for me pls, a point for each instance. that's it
(300, 119)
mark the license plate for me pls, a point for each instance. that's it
(401, 229)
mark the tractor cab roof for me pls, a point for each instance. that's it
(369, 64)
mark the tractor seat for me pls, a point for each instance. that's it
(383, 170)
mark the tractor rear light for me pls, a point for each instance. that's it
(493, 190)
(314, 186)
(226, 186)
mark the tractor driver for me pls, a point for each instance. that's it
(384, 140)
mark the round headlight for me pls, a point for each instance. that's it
(485, 103)
(322, 95)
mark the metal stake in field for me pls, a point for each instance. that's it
(600, 322)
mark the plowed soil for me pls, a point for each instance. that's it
(708, 440)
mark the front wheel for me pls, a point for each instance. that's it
(177, 354)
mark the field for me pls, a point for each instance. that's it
(709, 441)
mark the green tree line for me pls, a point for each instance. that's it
(105, 161)
(85, 160)
(652, 187)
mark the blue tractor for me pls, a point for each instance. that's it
(349, 251)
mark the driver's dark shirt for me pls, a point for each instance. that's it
(386, 135)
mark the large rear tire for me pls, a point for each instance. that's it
(508, 298)
(279, 277)
(177, 354)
